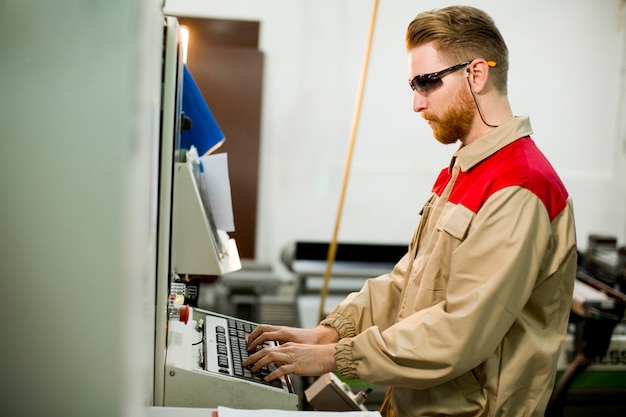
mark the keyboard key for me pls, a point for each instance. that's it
(222, 361)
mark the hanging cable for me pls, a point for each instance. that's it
(480, 112)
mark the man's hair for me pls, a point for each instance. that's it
(462, 33)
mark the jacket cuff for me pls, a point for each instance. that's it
(344, 327)
(343, 359)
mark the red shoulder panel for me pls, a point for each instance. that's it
(519, 164)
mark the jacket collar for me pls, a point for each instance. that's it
(498, 138)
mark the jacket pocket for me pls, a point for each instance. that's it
(455, 220)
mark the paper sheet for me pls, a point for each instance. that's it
(231, 412)
(218, 188)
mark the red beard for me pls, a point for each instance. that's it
(457, 120)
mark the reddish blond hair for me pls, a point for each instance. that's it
(462, 33)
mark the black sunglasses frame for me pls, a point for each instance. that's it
(427, 83)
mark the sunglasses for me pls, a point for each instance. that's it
(427, 83)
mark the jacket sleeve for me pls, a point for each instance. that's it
(374, 305)
(493, 271)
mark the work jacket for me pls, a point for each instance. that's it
(471, 321)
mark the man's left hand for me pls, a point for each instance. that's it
(294, 358)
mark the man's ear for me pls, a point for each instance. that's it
(477, 73)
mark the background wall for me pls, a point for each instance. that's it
(566, 73)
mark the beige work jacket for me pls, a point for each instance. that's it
(471, 321)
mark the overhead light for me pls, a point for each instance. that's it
(184, 38)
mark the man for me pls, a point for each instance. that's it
(471, 321)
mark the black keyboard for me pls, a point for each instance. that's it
(226, 348)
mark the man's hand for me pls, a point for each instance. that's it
(283, 334)
(294, 358)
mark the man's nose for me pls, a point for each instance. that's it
(419, 102)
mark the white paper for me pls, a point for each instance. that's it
(231, 412)
(218, 189)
